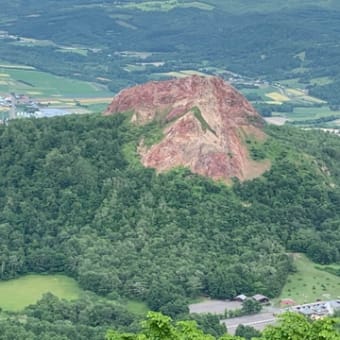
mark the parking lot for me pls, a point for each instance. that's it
(214, 306)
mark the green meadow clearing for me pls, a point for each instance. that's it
(19, 293)
(309, 283)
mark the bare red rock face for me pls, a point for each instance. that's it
(205, 124)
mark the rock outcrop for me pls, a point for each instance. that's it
(205, 124)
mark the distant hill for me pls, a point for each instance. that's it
(271, 39)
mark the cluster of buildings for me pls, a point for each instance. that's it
(14, 98)
(314, 310)
(22, 106)
(6, 101)
(317, 310)
(16, 105)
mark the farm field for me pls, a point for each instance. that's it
(261, 91)
(278, 97)
(309, 283)
(305, 108)
(333, 124)
(306, 113)
(167, 5)
(19, 293)
(180, 74)
(293, 82)
(321, 81)
(21, 79)
(283, 94)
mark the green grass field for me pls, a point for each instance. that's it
(97, 107)
(42, 84)
(261, 91)
(309, 283)
(293, 83)
(305, 113)
(19, 293)
(321, 81)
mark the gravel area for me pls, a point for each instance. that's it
(214, 306)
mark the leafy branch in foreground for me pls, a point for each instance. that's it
(291, 326)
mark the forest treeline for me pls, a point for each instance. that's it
(74, 199)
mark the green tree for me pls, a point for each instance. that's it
(158, 326)
(247, 332)
(250, 306)
(294, 326)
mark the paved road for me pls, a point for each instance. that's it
(258, 321)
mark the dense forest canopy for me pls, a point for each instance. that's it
(75, 199)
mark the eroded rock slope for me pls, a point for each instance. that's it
(205, 124)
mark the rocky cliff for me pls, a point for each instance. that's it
(205, 124)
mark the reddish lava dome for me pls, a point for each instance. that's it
(206, 122)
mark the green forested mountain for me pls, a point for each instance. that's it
(271, 39)
(75, 199)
